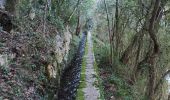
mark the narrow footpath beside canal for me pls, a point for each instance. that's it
(90, 91)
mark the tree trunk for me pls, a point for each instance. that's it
(78, 24)
(117, 28)
(75, 8)
(134, 76)
(49, 4)
(11, 6)
(132, 48)
(153, 29)
(108, 24)
(45, 16)
(160, 81)
(153, 58)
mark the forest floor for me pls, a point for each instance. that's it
(91, 92)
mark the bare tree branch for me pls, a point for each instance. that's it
(160, 81)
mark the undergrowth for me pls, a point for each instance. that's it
(33, 51)
(113, 84)
(99, 82)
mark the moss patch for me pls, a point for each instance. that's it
(80, 94)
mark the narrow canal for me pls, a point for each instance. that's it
(71, 76)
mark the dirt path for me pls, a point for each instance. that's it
(90, 92)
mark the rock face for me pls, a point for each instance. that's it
(36, 71)
(62, 45)
(3, 60)
(62, 48)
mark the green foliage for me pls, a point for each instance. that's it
(4, 69)
(123, 89)
(86, 7)
(17, 91)
(42, 77)
(56, 21)
(101, 52)
(74, 45)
